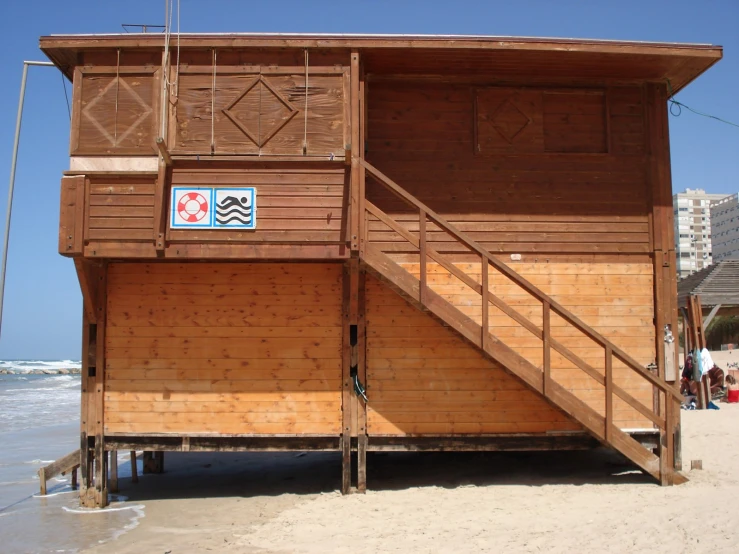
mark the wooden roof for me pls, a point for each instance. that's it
(716, 284)
(485, 56)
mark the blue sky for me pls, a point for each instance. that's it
(43, 305)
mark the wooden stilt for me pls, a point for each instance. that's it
(100, 494)
(87, 473)
(113, 471)
(93, 284)
(89, 351)
(347, 385)
(362, 463)
(74, 479)
(346, 464)
(362, 373)
(147, 461)
(101, 456)
(134, 469)
(153, 461)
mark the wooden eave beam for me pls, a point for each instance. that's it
(680, 63)
(379, 41)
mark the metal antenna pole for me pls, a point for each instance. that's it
(12, 180)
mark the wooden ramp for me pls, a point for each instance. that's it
(659, 465)
(70, 462)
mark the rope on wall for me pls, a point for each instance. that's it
(176, 84)
(259, 119)
(165, 64)
(213, 106)
(167, 85)
(305, 128)
(117, 86)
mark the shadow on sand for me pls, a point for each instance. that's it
(242, 474)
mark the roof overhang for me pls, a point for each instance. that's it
(717, 284)
(497, 57)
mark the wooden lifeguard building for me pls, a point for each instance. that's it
(367, 243)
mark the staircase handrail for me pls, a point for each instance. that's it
(519, 280)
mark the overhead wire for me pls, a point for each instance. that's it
(66, 96)
(676, 108)
(177, 69)
(169, 8)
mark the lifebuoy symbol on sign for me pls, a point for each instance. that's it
(192, 207)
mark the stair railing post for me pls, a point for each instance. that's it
(422, 254)
(609, 394)
(363, 216)
(485, 322)
(546, 344)
(667, 443)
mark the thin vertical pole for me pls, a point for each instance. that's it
(422, 253)
(11, 186)
(546, 343)
(609, 394)
(485, 322)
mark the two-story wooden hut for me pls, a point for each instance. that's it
(366, 243)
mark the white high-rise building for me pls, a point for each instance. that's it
(725, 225)
(692, 210)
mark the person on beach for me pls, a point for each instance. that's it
(686, 376)
(715, 376)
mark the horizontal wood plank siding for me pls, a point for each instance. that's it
(626, 109)
(223, 348)
(295, 204)
(513, 200)
(422, 378)
(614, 298)
(120, 209)
(575, 121)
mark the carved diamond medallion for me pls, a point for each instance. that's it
(121, 94)
(270, 101)
(509, 121)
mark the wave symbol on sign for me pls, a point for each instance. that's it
(232, 209)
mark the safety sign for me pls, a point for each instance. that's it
(214, 208)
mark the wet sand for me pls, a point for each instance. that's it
(477, 502)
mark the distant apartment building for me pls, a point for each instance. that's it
(725, 225)
(693, 229)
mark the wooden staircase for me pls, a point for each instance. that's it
(416, 290)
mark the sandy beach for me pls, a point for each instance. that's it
(490, 502)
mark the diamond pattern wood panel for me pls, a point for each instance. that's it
(115, 113)
(260, 112)
(531, 121)
(273, 113)
(509, 121)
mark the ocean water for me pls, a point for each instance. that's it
(28, 366)
(39, 423)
